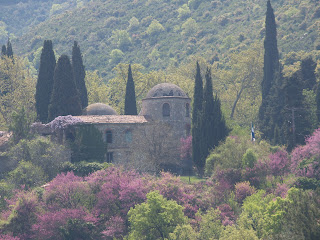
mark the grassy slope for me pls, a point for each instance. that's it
(220, 24)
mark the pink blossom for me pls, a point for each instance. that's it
(281, 190)
(227, 214)
(49, 223)
(8, 237)
(115, 228)
(66, 191)
(243, 190)
(279, 163)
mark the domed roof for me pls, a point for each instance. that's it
(99, 109)
(166, 90)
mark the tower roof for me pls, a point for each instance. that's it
(166, 90)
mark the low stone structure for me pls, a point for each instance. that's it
(150, 141)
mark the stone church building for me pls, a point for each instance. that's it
(149, 141)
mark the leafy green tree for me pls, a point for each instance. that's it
(156, 218)
(189, 27)
(122, 39)
(65, 98)
(238, 233)
(97, 89)
(184, 232)
(88, 145)
(45, 81)
(20, 125)
(27, 174)
(196, 121)
(17, 89)
(210, 225)
(79, 74)
(249, 158)
(115, 56)
(184, 12)
(294, 216)
(130, 105)
(154, 30)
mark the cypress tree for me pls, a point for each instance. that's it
(297, 116)
(308, 67)
(272, 79)
(4, 50)
(79, 74)
(221, 129)
(45, 81)
(9, 49)
(130, 106)
(65, 98)
(196, 121)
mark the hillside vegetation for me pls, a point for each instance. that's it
(158, 33)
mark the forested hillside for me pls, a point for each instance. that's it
(156, 33)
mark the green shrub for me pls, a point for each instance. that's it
(249, 158)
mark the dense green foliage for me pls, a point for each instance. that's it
(65, 98)
(156, 218)
(130, 104)
(209, 28)
(79, 74)
(88, 145)
(45, 81)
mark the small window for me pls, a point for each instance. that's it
(187, 110)
(166, 110)
(109, 157)
(128, 136)
(108, 136)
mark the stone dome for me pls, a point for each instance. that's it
(166, 90)
(99, 109)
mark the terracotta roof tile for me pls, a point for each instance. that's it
(113, 119)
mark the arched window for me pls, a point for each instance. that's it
(166, 110)
(108, 136)
(187, 110)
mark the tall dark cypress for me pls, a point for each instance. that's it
(4, 50)
(308, 67)
(196, 121)
(208, 124)
(65, 98)
(9, 49)
(298, 118)
(79, 74)
(272, 78)
(45, 81)
(130, 105)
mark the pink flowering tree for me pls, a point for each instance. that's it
(22, 215)
(243, 190)
(66, 191)
(279, 163)
(305, 160)
(65, 224)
